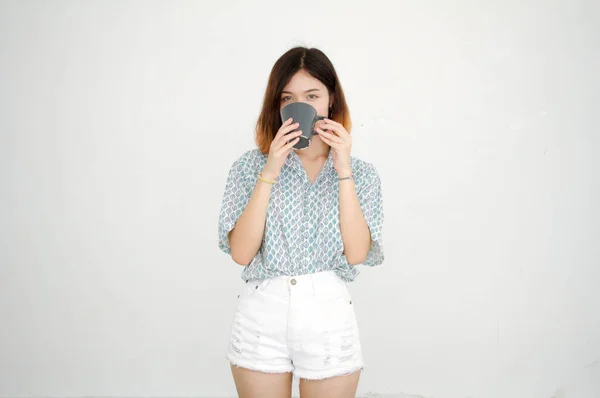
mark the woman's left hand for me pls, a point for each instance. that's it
(335, 135)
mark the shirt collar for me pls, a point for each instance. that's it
(294, 162)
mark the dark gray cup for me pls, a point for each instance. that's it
(304, 114)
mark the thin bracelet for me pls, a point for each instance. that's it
(260, 177)
(345, 178)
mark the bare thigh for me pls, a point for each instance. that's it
(334, 387)
(252, 384)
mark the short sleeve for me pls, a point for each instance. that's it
(235, 198)
(371, 204)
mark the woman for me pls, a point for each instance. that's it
(299, 222)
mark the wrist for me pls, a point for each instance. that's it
(344, 173)
(269, 175)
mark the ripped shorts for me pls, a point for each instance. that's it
(302, 324)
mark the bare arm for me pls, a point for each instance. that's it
(246, 237)
(355, 231)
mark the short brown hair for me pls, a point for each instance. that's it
(316, 63)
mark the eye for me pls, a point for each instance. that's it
(286, 98)
(312, 96)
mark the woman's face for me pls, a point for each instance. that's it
(305, 88)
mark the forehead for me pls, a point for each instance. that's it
(302, 81)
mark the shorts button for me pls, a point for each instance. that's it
(293, 281)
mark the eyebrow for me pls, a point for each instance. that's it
(307, 91)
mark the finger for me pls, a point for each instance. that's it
(287, 147)
(287, 139)
(328, 135)
(284, 131)
(329, 142)
(335, 126)
(331, 127)
(285, 123)
(320, 123)
(286, 126)
(327, 120)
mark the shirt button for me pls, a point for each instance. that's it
(293, 281)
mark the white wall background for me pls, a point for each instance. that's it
(120, 120)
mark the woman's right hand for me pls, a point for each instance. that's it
(281, 148)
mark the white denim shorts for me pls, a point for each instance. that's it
(302, 324)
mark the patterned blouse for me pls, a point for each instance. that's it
(302, 231)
